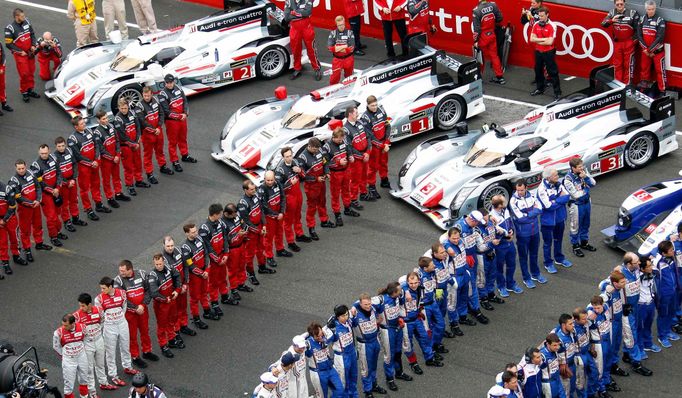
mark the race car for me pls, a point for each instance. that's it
(427, 89)
(449, 176)
(647, 217)
(221, 49)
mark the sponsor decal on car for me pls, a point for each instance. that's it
(596, 104)
(402, 71)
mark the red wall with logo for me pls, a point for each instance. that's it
(581, 46)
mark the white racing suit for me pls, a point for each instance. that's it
(69, 345)
(94, 346)
(115, 329)
(298, 381)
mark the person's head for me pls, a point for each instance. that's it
(413, 280)
(169, 81)
(631, 261)
(535, 3)
(44, 151)
(646, 265)
(550, 174)
(190, 231)
(106, 285)
(85, 302)
(68, 321)
(47, 36)
(18, 15)
(485, 214)
(577, 165)
(314, 145)
(140, 382)
(372, 103)
(438, 251)
(147, 93)
(299, 344)
(454, 234)
(315, 331)
(552, 342)
(338, 135)
(619, 4)
(352, 114)
(168, 244)
(580, 316)
(666, 248)
(287, 154)
(499, 202)
(20, 166)
(215, 211)
(269, 178)
(650, 7)
(78, 123)
(679, 230)
(125, 268)
(123, 106)
(426, 264)
(475, 218)
(340, 23)
(365, 302)
(567, 323)
(288, 360)
(533, 356)
(543, 14)
(597, 302)
(159, 263)
(392, 289)
(102, 117)
(510, 380)
(618, 280)
(249, 188)
(521, 187)
(341, 313)
(60, 144)
(230, 211)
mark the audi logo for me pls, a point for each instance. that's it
(570, 43)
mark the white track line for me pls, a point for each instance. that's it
(678, 132)
(55, 9)
(569, 78)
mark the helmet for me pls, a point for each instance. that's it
(140, 380)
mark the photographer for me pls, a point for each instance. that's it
(49, 51)
(142, 388)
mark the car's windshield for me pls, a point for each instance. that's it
(479, 156)
(298, 120)
(125, 63)
(482, 157)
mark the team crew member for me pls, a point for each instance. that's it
(565, 331)
(212, 231)
(632, 354)
(458, 295)
(525, 209)
(282, 369)
(127, 127)
(144, 16)
(553, 197)
(316, 173)
(110, 160)
(434, 317)
(136, 286)
(389, 305)
(650, 35)
(367, 332)
(8, 229)
(289, 173)
(624, 22)
(542, 35)
(3, 93)
(446, 292)
(341, 43)
(194, 256)
(322, 373)
(173, 258)
(392, 13)
(236, 237)
(415, 321)
(82, 13)
(420, 17)
(68, 342)
(142, 388)
(338, 157)
(339, 333)
(49, 51)
(92, 317)
(578, 184)
(20, 39)
(251, 212)
(551, 380)
(354, 10)
(85, 149)
(375, 120)
(115, 9)
(164, 288)
(28, 195)
(601, 333)
(68, 171)
(298, 382)
(46, 171)
(471, 239)
(112, 304)
(358, 138)
(297, 13)
(486, 251)
(267, 386)
(586, 368)
(646, 307)
(530, 365)
(486, 16)
(668, 283)
(151, 118)
(175, 111)
(505, 251)
(274, 205)
(612, 292)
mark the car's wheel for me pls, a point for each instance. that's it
(449, 111)
(132, 93)
(640, 150)
(272, 62)
(497, 188)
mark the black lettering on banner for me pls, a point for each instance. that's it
(591, 106)
(402, 70)
(230, 21)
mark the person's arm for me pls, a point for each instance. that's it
(32, 33)
(189, 262)
(657, 45)
(16, 189)
(205, 235)
(57, 342)
(608, 19)
(283, 198)
(264, 201)
(177, 281)
(145, 286)
(9, 40)
(57, 47)
(571, 188)
(476, 24)
(140, 114)
(118, 284)
(638, 33)
(519, 215)
(71, 11)
(99, 137)
(154, 285)
(498, 14)
(162, 116)
(120, 129)
(11, 204)
(304, 168)
(244, 210)
(75, 147)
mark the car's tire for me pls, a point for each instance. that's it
(132, 92)
(497, 188)
(272, 62)
(640, 150)
(449, 111)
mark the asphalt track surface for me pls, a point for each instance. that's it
(368, 252)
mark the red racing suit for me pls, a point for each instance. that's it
(49, 57)
(274, 203)
(137, 293)
(254, 219)
(485, 16)
(8, 223)
(179, 316)
(624, 39)
(291, 183)
(3, 93)
(26, 190)
(650, 34)
(358, 139)
(420, 19)
(313, 166)
(46, 172)
(235, 260)
(151, 117)
(162, 284)
(20, 37)
(339, 174)
(297, 13)
(195, 260)
(213, 234)
(380, 127)
(110, 159)
(85, 149)
(174, 104)
(128, 130)
(343, 60)
(68, 173)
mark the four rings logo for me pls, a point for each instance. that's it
(578, 41)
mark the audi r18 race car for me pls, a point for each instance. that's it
(423, 91)
(448, 176)
(221, 49)
(647, 217)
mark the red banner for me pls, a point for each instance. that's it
(581, 41)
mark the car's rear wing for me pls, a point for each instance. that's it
(461, 69)
(267, 13)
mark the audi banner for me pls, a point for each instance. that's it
(581, 41)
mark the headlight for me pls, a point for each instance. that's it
(408, 163)
(94, 100)
(459, 199)
(274, 161)
(228, 126)
(624, 218)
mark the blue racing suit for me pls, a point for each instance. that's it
(600, 330)
(471, 238)
(551, 380)
(630, 314)
(391, 313)
(505, 252)
(342, 340)
(646, 309)
(615, 301)
(567, 354)
(486, 249)
(532, 380)
(433, 314)
(579, 206)
(415, 320)
(322, 372)
(586, 371)
(667, 282)
(462, 278)
(367, 336)
(446, 294)
(678, 258)
(525, 211)
(553, 199)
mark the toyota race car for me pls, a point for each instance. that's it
(428, 89)
(647, 217)
(226, 47)
(449, 176)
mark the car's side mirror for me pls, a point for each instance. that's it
(522, 164)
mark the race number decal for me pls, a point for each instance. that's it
(610, 163)
(426, 189)
(419, 125)
(242, 73)
(642, 195)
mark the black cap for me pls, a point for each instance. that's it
(169, 78)
(140, 380)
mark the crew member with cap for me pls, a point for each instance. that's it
(298, 382)
(316, 174)
(525, 210)
(338, 157)
(297, 13)
(498, 392)
(281, 369)
(266, 388)
(553, 197)
(341, 43)
(142, 388)
(175, 111)
(49, 51)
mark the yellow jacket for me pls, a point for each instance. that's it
(83, 10)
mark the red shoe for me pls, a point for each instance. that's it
(117, 382)
(110, 387)
(131, 371)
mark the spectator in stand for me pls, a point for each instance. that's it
(420, 19)
(341, 43)
(393, 15)
(624, 22)
(297, 13)
(115, 9)
(82, 13)
(49, 55)
(542, 35)
(650, 34)
(354, 10)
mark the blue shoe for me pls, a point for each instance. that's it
(504, 293)
(516, 289)
(645, 356)
(653, 348)
(565, 263)
(673, 336)
(529, 283)
(665, 343)
(550, 269)
(540, 279)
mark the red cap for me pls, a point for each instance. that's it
(334, 124)
(281, 92)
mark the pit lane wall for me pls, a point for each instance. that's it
(581, 42)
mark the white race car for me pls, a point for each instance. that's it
(221, 49)
(449, 176)
(424, 91)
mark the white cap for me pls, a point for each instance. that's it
(299, 342)
(268, 378)
(476, 215)
(498, 391)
